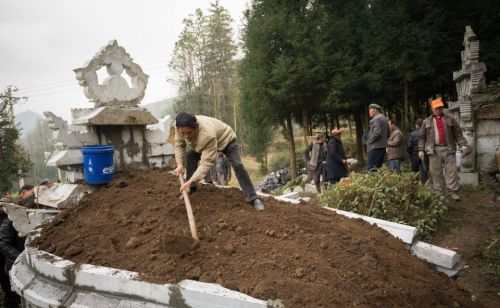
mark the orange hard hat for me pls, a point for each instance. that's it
(437, 103)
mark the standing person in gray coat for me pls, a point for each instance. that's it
(377, 137)
(315, 156)
(395, 147)
(439, 136)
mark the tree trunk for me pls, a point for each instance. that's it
(358, 123)
(293, 160)
(350, 126)
(406, 117)
(337, 119)
(305, 124)
(332, 121)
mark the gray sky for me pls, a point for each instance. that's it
(41, 42)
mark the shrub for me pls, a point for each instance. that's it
(282, 160)
(386, 195)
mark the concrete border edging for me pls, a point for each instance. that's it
(403, 232)
(46, 280)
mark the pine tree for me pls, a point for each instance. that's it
(14, 161)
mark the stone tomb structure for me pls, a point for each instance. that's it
(116, 118)
(482, 133)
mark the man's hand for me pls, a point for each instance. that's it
(186, 187)
(464, 149)
(180, 169)
(421, 154)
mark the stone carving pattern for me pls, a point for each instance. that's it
(114, 90)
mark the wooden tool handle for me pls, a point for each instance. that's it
(189, 210)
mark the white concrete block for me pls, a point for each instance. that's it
(43, 293)
(208, 295)
(436, 255)
(92, 300)
(107, 279)
(62, 195)
(451, 272)
(51, 266)
(310, 188)
(21, 274)
(403, 232)
(298, 189)
(290, 195)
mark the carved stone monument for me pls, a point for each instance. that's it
(115, 119)
(470, 80)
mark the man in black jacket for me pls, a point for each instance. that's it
(416, 163)
(11, 245)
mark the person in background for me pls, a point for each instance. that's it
(336, 161)
(395, 147)
(315, 155)
(221, 171)
(11, 245)
(438, 138)
(412, 148)
(378, 134)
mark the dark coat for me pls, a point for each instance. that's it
(11, 245)
(335, 169)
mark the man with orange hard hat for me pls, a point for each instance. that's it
(439, 135)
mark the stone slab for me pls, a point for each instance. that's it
(61, 195)
(91, 300)
(112, 116)
(21, 274)
(403, 232)
(65, 158)
(44, 293)
(204, 295)
(436, 255)
(290, 195)
(51, 266)
(450, 272)
(123, 282)
(310, 188)
(298, 189)
(469, 178)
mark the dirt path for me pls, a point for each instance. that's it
(470, 227)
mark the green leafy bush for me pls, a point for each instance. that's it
(282, 160)
(386, 195)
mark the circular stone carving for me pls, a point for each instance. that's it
(114, 90)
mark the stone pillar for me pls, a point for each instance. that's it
(470, 80)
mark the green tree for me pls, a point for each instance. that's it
(204, 61)
(14, 161)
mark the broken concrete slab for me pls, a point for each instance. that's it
(298, 189)
(436, 255)
(310, 188)
(403, 232)
(290, 195)
(61, 195)
(451, 272)
(65, 158)
(469, 178)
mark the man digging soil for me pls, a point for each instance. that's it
(206, 136)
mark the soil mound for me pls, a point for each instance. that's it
(302, 254)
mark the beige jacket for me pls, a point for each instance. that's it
(453, 131)
(212, 135)
(395, 144)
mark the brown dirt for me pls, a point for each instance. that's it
(468, 228)
(304, 255)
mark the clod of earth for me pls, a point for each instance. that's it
(323, 261)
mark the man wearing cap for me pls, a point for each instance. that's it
(206, 136)
(438, 138)
(378, 134)
(315, 155)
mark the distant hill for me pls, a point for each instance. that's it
(161, 108)
(28, 120)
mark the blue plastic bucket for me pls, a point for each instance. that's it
(98, 163)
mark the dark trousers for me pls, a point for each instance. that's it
(232, 153)
(418, 165)
(318, 172)
(375, 158)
